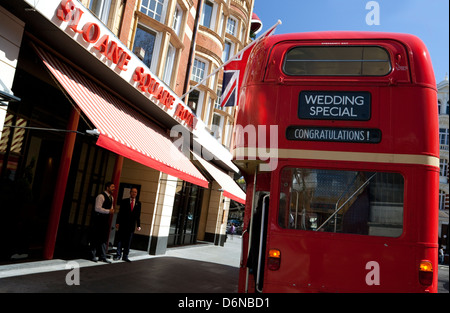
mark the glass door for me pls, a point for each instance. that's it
(185, 214)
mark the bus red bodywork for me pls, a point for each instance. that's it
(403, 112)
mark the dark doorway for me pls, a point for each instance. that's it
(30, 153)
(90, 169)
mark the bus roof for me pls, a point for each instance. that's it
(339, 35)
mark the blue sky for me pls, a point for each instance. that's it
(427, 19)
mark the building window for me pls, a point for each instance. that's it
(145, 39)
(443, 138)
(194, 100)
(220, 30)
(217, 101)
(153, 8)
(168, 67)
(441, 200)
(207, 12)
(177, 18)
(231, 26)
(216, 126)
(443, 165)
(101, 9)
(198, 71)
(208, 109)
(227, 135)
(226, 54)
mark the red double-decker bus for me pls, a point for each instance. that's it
(344, 196)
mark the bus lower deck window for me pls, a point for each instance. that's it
(337, 61)
(354, 202)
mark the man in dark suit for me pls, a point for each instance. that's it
(127, 221)
(104, 207)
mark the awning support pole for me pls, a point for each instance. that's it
(116, 181)
(60, 187)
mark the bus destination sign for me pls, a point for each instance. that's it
(354, 135)
(334, 105)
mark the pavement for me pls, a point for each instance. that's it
(200, 268)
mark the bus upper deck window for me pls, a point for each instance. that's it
(337, 61)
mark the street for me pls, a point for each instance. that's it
(443, 279)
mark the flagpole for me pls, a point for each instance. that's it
(233, 58)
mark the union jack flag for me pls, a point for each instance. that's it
(233, 74)
(234, 70)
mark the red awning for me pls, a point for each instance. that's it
(122, 129)
(230, 188)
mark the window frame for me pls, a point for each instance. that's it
(442, 196)
(443, 167)
(203, 15)
(228, 53)
(156, 46)
(147, 8)
(168, 65)
(177, 19)
(234, 27)
(199, 96)
(284, 219)
(217, 123)
(102, 9)
(205, 70)
(388, 61)
(443, 136)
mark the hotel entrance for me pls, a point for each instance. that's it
(31, 145)
(185, 214)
